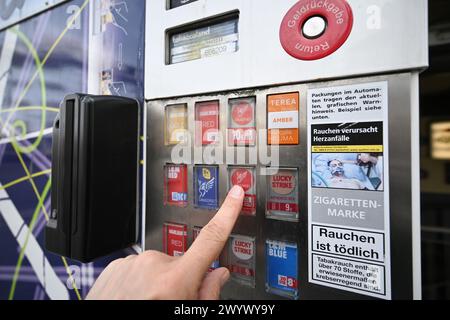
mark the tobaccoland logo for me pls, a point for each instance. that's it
(191, 35)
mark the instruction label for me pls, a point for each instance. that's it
(348, 215)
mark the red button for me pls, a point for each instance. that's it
(339, 22)
(243, 178)
(242, 113)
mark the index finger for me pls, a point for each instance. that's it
(212, 238)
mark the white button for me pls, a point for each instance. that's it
(314, 27)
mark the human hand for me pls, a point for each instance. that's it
(155, 275)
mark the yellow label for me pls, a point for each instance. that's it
(206, 173)
(341, 148)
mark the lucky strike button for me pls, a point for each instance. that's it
(283, 183)
(339, 22)
(242, 249)
(282, 194)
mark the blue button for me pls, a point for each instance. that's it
(206, 186)
(282, 270)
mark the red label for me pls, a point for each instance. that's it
(176, 185)
(242, 270)
(175, 237)
(339, 20)
(208, 114)
(287, 281)
(249, 205)
(286, 207)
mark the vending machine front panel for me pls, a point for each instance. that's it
(329, 196)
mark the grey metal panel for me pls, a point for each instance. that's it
(387, 36)
(400, 87)
(400, 186)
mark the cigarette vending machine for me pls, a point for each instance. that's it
(312, 107)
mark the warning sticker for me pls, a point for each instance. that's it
(207, 122)
(359, 102)
(348, 189)
(282, 118)
(175, 185)
(282, 272)
(349, 243)
(241, 122)
(175, 239)
(175, 124)
(348, 273)
(241, 255)
(244, 177)
(282, 194)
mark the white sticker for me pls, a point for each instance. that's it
(353, 275)
(348, 188)
(348, 243)
(360, 102)
(282, 120)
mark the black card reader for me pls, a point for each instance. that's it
(94, 198)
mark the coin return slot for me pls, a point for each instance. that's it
(314, 27)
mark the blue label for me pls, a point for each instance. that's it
(179, 196)
(207, 187)
(282, 271)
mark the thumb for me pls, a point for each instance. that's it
(213, 283)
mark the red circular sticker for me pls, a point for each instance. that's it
(283, 183)
(242, 113)
(243, 178)
(339, 22)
